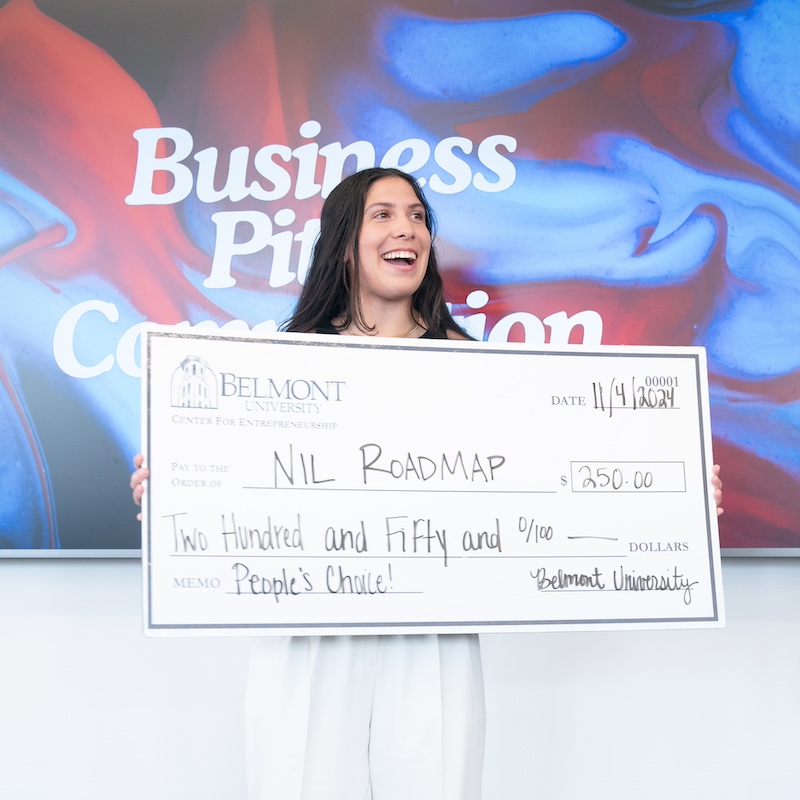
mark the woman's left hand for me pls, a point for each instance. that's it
(715, 480)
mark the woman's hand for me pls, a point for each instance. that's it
(715, 480)
(138, 478)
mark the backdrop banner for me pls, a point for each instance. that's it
(609, 172)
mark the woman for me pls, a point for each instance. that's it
(383, 717)
(355, 717)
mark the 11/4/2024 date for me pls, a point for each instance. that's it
(654, 392)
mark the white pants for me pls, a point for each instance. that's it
(365, 718)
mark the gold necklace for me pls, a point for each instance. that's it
(408, 333)
(398, 336)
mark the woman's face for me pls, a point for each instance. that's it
(394, 242)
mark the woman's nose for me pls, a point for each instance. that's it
(403, 229)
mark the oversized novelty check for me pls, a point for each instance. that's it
(323, 484)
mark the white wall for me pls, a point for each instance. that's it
(91, 709)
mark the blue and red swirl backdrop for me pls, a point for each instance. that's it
(603, 171)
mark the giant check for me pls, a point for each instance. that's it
(322, 484)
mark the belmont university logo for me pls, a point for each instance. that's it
(194, 384)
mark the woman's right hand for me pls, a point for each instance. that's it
(138, 478)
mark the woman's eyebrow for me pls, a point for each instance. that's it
(386, 204)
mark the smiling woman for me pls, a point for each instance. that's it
(379, 717)
(371, 717)
(374, 270)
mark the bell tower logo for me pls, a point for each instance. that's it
(194, 384)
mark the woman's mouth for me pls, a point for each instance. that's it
(400, 257)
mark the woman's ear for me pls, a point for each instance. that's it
(350, 257)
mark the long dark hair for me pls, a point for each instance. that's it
(331, 289)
